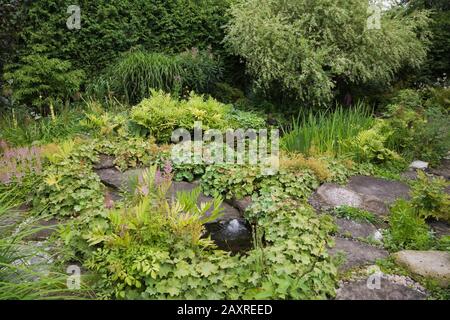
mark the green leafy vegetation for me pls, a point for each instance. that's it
(311, 57)
(163, 254)
(161, 114)
(109, 28)
(21, 128)
(418, 129)
(324, 132)
(87, 109)
(407, 229)
(356, 214)
(68, 188)
(430, 199)
(134, 76)
(44, 82)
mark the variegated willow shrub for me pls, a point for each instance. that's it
(307, 64)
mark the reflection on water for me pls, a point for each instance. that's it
(234, 236)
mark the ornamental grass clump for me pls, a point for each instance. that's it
(315, 133)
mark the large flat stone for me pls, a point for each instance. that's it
(356, 229)
(111, 177)
(370, 197)
(410, 175)
(443, 169)
(104, 162)
(356, 253)
(367, 193)
(241, 204)
(429, 264)
(114, 178)
(182, 186)
(378, 194)
(387, 191)
(330, 196)
(440, 228)
(43, 230)
(359, 290)
(419, 165)
(10, 219)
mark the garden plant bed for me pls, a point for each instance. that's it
(210, 161)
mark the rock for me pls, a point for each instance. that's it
(105, 162)
(387, 290)
(419, 165)
(242, 204)
(387, 191)
(330, 196)
(36, 256)
(409, 175)
(367, 193)
(229, 212)
(114, 178)
(442, 170)
(378, 236)
(44, 230)
(131, 175)
(440, 228)
(112, 194)
(429, 264)
(378, 193)
(182, 186)
(356, 229)
(111, 177)
(10, 219)
(356, 253)
(375, 205)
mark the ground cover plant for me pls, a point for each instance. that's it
(90, 183)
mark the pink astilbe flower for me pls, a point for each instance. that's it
(168, 168)
(144, 190)
(19, 162)
(22, 153)
(158, 177)
(5, 178)
(8, 154)
(141, 187)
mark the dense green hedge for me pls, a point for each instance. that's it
(109, 27)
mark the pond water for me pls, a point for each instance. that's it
(234, 235)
